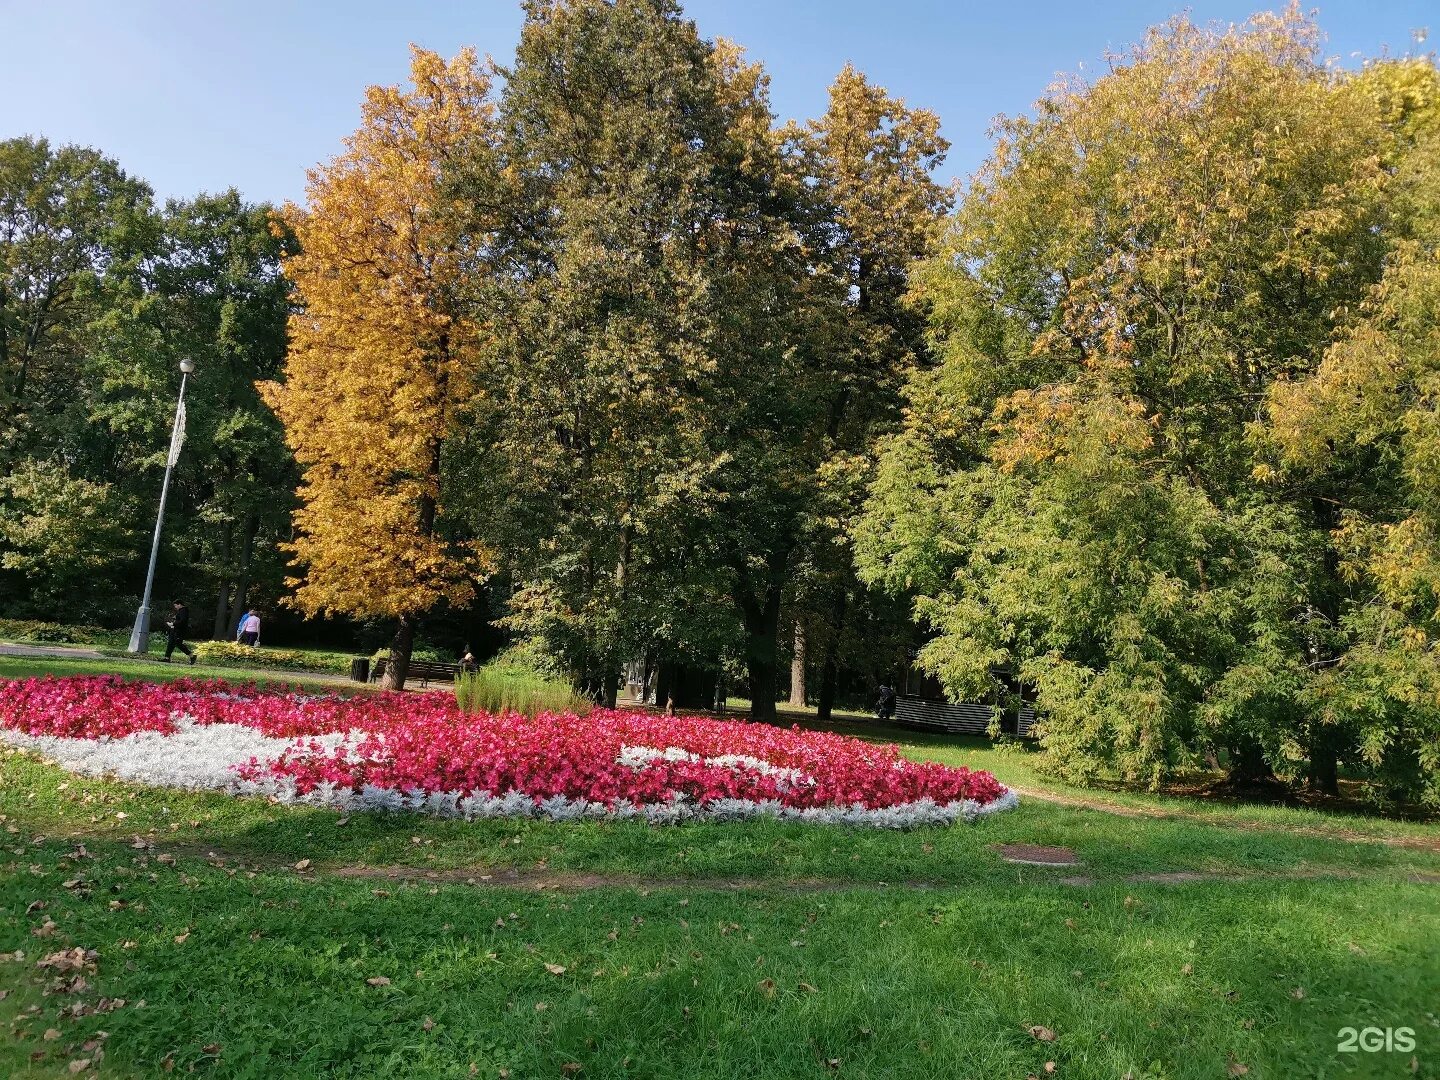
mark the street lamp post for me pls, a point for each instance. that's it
(140, 635)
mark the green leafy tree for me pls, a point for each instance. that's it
(869, 160)
(1363, 433)
(643, 300)
(71, 223)
(212, 292)
(1074, 497)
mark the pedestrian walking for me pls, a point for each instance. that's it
(250, 629)
(175, 629)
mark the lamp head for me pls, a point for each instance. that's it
(187, 366)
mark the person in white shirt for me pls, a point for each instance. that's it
(250, 629)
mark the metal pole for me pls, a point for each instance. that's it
(140, 634)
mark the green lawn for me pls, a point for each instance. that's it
(759, 950)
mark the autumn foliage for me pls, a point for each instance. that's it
(379, 353)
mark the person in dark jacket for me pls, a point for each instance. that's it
(885, 705)
(175, 628)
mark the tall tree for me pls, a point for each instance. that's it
(1362, 433)
(71, 222)
(212, 292)
(870, 160)
(381, 352)
(640, 150)
(1074, 495)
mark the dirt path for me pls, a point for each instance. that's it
(547, 880)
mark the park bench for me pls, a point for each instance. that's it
(427, 671)
(963, 718)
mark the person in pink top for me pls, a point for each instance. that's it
(250, 629)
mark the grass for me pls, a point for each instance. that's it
(18, 667)
(845, 953)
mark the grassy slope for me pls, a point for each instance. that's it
(1172, 981)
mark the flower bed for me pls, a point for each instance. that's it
(420, 752)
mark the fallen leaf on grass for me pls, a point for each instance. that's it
(342, 821)
(1049, 1066)
(211, 1049)
(378, 980)
(1236, 1069)
(808, 988)
(303, 864)
(76, 959)
(570, 1068)
(1298, 993)
(1042, 1033)
(427, 1025)
(180, 939)
(45, 929)
(79, 1065)
(555, 969)
(767, 987)
(51, 1033)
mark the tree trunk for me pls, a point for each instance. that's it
(762, 638)
(1324, 762)
(797, 669)
(830, 670)
(664, 675)
(1248, 764)
(611, 688)
(221, 631)
(398, 666)
(242, 576)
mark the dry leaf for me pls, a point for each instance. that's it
(1049, 1066)
(767, 986)
(342, 821)
(427, 1025)
(180, 938)
(79, 1065)
(210, 1048)
(1042, 1033)
(1236, 1069)
(1187, 969)
(378, 980)
(808, 988)
(303, 864)
(51, 1033)
(555, 969)
(1298, 993)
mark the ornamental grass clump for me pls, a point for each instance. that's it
(503, 688)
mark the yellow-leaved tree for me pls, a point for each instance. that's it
(380, 355)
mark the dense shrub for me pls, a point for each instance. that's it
(228, 652)
(60, 634)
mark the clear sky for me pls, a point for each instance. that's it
(200, 95)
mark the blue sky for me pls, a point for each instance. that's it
(207, 94)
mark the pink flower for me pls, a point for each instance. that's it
(423, 743)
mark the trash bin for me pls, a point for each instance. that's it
(360, 669)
